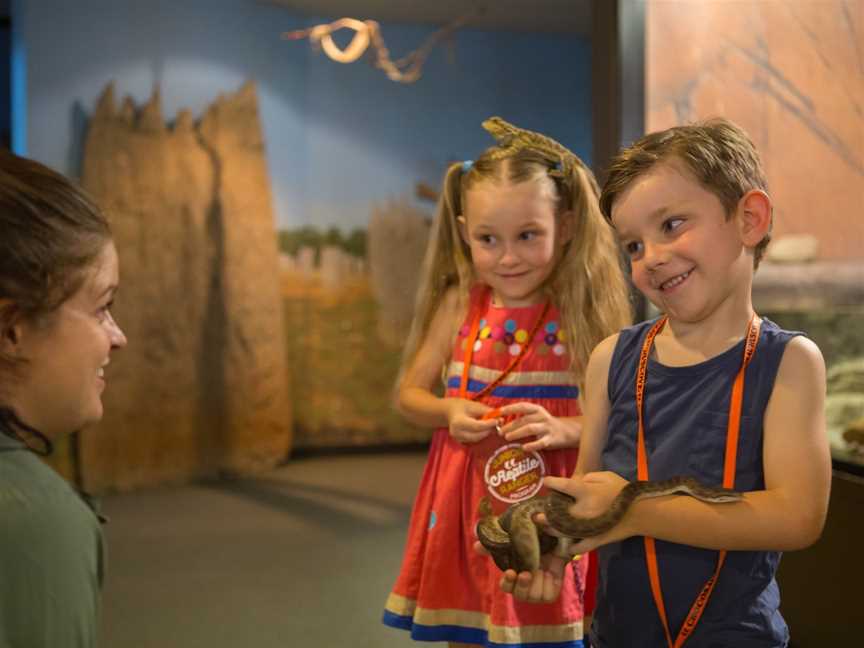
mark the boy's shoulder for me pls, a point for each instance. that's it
(802, 360)
(606, 347)
(630, 336)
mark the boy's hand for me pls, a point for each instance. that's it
(594, 493)
(463, 417)
(533, 420)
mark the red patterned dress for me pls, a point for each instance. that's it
(445, 590)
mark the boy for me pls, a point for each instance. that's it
(726, 397)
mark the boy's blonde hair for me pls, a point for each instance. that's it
(718, 153)
(587, 285)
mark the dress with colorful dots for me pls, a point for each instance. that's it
(445, 590)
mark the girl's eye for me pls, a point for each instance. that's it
(633, 248)
(528, 236)
(486, 239)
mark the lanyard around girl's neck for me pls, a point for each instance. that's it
(474, 332)
(732, 430)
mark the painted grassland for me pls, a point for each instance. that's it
(341, 373)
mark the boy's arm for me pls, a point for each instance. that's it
(789, 514)
(596, 407)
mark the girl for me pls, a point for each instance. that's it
(521, 280)
(58, 276)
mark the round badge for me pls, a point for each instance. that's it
(512, 474)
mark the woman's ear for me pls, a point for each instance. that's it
(754, 216)
(10, 329)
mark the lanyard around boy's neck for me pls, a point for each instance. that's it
(474, 332)
(732, 430)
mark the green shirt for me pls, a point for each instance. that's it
(50, 556)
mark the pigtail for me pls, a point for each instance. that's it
(447, 263)
(588, 286)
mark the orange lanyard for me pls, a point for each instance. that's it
(729, 463)
(469, 353)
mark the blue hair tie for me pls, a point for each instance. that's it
(466, 165)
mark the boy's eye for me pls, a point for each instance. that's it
(671, 224)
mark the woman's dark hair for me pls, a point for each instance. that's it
(51, 231)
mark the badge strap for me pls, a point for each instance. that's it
(729, 464)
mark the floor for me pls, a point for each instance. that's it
(304, 556)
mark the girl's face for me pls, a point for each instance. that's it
(686, 256)
(61, 388)
(512, 231)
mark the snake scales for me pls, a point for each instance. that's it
(515, 541)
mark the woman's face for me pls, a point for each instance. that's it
(61, 388)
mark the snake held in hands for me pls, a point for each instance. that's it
(516, 542)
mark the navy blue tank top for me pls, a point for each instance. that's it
(686, 414)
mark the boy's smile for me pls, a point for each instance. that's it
(686, 255)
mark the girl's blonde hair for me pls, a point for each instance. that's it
(587, 285)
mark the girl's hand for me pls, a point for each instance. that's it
(535, 421)
(463, 418)
(541, 586)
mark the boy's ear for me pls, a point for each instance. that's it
(754, 211)
(462, 224)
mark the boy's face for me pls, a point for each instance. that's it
(686, 256)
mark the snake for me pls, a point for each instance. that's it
(516, 542)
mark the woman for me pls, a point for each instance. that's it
(58, 277)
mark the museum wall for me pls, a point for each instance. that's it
(342, 153)
(792, 74)
(337, 136)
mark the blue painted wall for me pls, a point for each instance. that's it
(338, 137)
